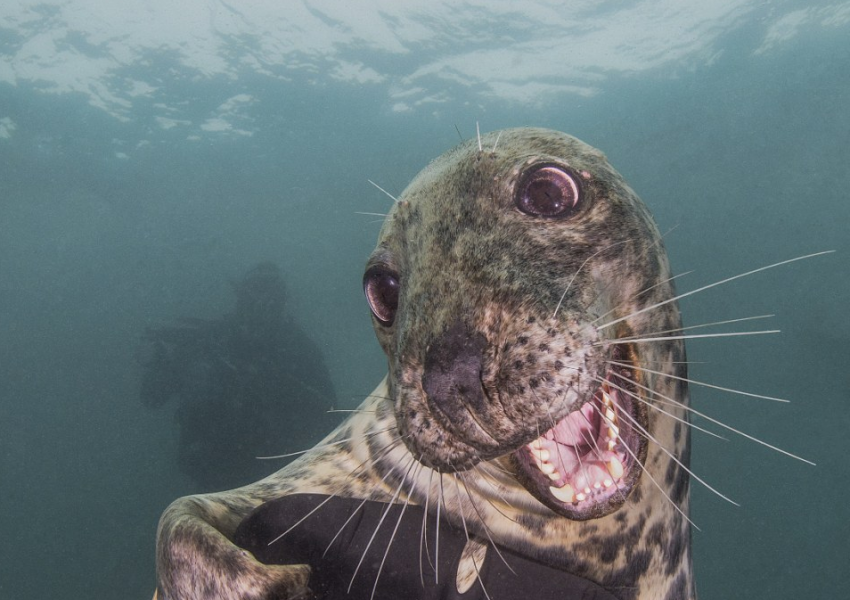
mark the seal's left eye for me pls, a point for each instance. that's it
(381, 287)
(548, 191)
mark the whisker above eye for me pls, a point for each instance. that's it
(383, 190)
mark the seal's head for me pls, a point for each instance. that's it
(504, 287)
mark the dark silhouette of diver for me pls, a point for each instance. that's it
(249, 384)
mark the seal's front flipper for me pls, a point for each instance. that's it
(197, 561)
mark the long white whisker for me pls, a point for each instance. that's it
(692, 336)
(748, 436)
(380, 456)
(695, 382)
(660, 489)
(586, 260)
(483, 523)
(397, 524)
(700, 326)
(370, 214)
(715, 284)
(383, 190)
(466, 533)
(441, 501)
(302, 519)
(378, 526)
(317, 507)
(672, 401)
(321, 446)
(643, 291)
(489, 480)
(423, 537)
(648, 436)
(478, 133)
(660, 410)
(496, 142)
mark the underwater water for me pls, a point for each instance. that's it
(150, 155)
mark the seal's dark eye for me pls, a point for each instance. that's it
(381, 287)
(548, 191)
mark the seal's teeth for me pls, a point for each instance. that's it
(565, 494)
(613, 431)
(547, 468)
(615, 468)
(543, 455)
(536, 445)
(580, 496)
(607, 483)
(554, 475)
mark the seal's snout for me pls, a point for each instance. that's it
(451, 379)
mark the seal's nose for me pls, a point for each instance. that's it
(452, 374)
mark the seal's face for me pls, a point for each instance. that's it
(497, 288)
(524, 301)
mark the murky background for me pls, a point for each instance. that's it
(151, 154)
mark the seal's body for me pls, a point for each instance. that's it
(512, 288)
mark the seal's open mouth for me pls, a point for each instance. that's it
(587, 464)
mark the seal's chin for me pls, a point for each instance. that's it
(587, 464)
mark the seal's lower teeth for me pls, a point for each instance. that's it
(543, 455)
(565, 494)
(615, 468)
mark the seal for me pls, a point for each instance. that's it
(536, 392)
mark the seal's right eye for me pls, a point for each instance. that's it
(381, 287)
(548, 191)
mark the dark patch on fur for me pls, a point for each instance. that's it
(682, 483)
(679, 589)
(674, 549)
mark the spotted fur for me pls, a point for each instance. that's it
(531, 295)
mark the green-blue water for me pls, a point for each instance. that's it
(149, 159)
